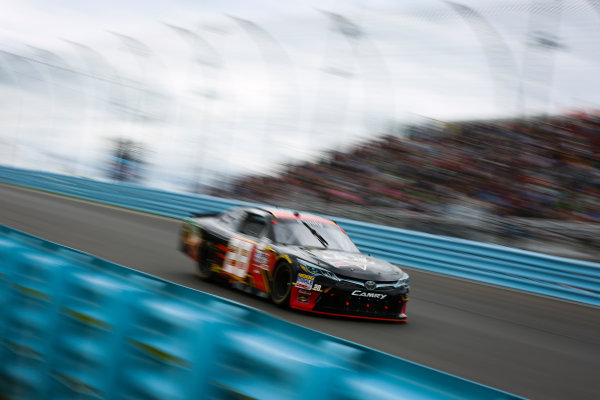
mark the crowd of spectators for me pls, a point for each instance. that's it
(538, 167)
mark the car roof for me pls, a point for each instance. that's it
(283, 213)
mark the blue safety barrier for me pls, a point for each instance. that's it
(75, 326)
(30, 315)
(547, 275)
(92, 312)
(565, 278)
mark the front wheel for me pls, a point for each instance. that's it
(281, 285)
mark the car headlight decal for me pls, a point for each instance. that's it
(317, 271)
(403, 282)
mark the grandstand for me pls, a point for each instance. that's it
(497, 180)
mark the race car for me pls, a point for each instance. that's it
(299, 260)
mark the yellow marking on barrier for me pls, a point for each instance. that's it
(32, 292)
(159, 354)
(87, 319)
(77, 384)
(23, 349)
(233, 391)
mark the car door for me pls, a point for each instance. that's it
(245, 260)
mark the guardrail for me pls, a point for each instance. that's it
(559, 277)
(76, 326)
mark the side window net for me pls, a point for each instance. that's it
(231, 218)
(254, 225)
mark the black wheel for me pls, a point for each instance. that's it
(204, 263)
(281, 285)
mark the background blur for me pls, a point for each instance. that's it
(477, 119)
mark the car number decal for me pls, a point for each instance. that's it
(237, 260)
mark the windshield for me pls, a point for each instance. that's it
(312, 234)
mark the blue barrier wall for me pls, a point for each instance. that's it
(75, 326)
(564, 278)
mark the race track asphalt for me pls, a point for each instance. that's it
(533, 346)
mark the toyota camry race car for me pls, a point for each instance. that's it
(299, 260)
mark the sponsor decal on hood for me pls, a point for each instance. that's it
(359, 263)
(341, 259)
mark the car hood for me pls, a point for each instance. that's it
(355, 265)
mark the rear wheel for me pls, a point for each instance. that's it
(281, 285)
(204, 263)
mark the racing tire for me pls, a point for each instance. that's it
(205, 271)
(281, 284)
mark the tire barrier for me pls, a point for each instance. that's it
(559, 277)
(75, 326)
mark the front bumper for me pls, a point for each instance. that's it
(352, 300)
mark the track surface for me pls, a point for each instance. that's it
(529, 345)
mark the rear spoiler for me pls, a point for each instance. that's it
(206, 214)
